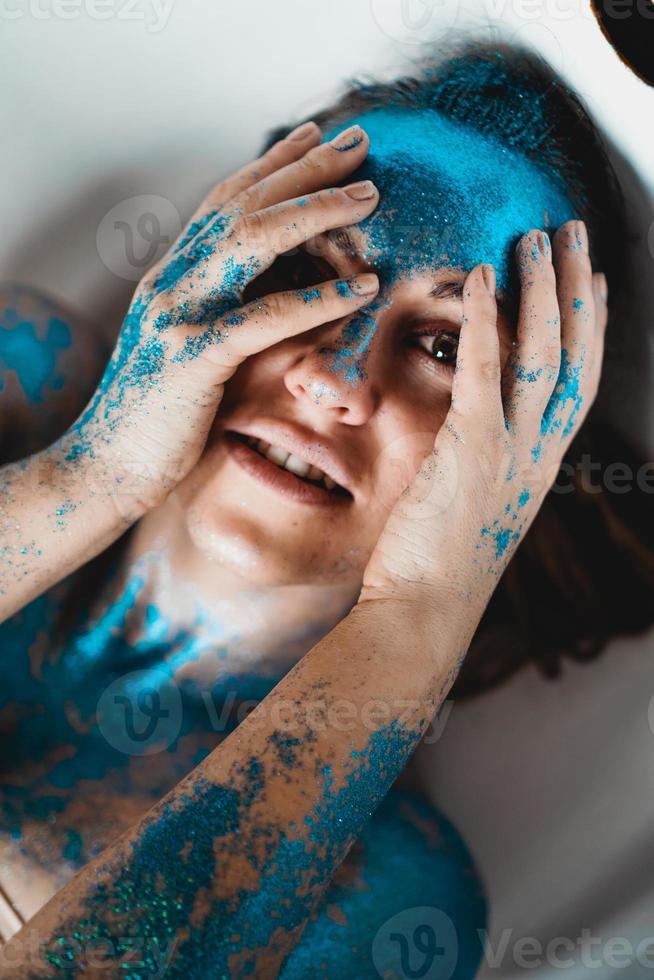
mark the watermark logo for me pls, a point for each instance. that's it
(140, 713)
(136, 233)
(586, 952)
(414, 480)
(153, 13)
(414, 21)
(416, 944)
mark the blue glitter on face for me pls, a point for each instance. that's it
(355, 339)
(450, 196)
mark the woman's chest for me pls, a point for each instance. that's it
(57, 814)
(89, 741)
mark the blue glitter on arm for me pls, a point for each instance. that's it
(172, 885)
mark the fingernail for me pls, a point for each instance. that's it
(349, 139)
(582, 236)
(603, 287)
(544, 244)
(488, 274)
(364, 284)
(302, 132)
(362, 191)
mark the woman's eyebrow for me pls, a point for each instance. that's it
(453, 289)
(343, 241)
(448, 289)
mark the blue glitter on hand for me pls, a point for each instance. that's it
(352, 145)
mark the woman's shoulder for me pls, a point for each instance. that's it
(50, 362)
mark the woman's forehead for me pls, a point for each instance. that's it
(451, 196)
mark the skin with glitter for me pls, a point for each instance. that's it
(451, 196)
(222, 875)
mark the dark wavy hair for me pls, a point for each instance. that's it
(584, 572)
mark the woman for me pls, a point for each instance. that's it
(333, 412)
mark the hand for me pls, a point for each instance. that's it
(187, 329)
(455, 527)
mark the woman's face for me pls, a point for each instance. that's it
(362, 398)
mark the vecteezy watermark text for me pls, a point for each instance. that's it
(142, 713)
(153, 13)
(421, 943)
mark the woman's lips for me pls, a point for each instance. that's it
(283, 481)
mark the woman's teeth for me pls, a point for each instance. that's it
(294, 464)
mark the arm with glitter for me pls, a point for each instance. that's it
(221, 876)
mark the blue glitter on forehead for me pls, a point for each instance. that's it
(451, 196)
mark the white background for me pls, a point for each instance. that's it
(105, 100)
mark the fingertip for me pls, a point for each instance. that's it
(572, 235)
(532, 249)
(363, 190)
(600, 291)
(564, 234)
(365, 284)
(305, 132)
(488, 277)
(602, 286)
(350, 139)
(480, 280)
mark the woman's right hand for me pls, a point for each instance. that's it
(454, 528)
(187, 329)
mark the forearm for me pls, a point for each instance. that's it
(225, 871)
(56, 513)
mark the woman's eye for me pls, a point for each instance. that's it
(441, 345)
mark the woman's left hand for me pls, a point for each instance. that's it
(455, 527)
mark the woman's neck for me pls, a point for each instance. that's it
(208, 622)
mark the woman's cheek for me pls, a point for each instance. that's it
(396, 465)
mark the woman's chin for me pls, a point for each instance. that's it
(262, 554)
(263, 539)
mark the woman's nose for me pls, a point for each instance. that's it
(334, 375)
